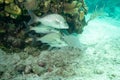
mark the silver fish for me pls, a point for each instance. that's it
(52, 20)
(49, 38)
(44, 29)
(53, 39)
(72, 40)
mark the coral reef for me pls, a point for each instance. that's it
(14, 17)
(72, 10)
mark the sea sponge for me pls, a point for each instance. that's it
(9, 1)
(81, 15)
(47, 3)
(31, 4)
(1, 1)
(71, 8)
(13, 10)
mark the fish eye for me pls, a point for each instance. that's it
(57, 22)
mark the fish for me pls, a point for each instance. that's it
(72, 40)
(59, 44)
(43, 29)
(52, 39)
(51, 20)
(49, 38)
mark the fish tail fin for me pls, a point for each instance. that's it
(33, 19)
(27, 27)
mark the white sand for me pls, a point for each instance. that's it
(102, 56)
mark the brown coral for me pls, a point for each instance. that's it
(30, 4)
(82, 14)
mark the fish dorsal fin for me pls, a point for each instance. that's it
(33, 19)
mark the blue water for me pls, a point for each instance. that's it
(112, 7)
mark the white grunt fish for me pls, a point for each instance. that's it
(43, 29)
(49, 38)
(53, 39)
(52, 20)
(72, 40)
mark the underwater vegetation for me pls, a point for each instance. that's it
(14, 18)
(10, 8)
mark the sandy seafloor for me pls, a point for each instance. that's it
(98, 59)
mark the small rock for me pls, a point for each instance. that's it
(28, 69)
(20, 68)
(37, 69)
(23, 55)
